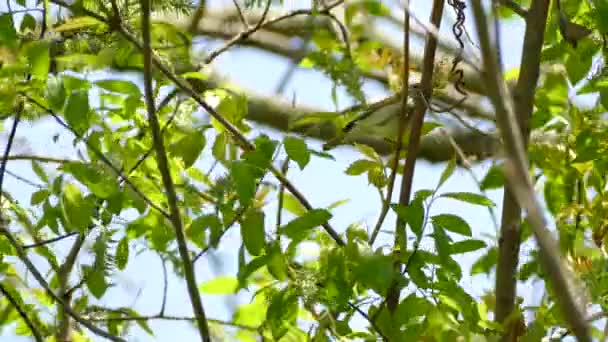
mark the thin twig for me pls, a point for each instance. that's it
(515, 7)
(241, 15)
(371, 321)
(7, 150)
(237, 217)
(63, 276)
(41, 159)
(21, 253)
(24, 180)
(49, 241)
(103, 158)
(170, 318)
(233, 130)
(426, 90)
(246, 33)
(165, 286)
(403, 122)
(163, 104)
(30, 324)
(284, 169)
(163, 167)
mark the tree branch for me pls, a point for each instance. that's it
(103, 158)
(163, 167)
(520, 184)
(170, 318)
(515, 7)
(21, 253)
(30, 324)
(510, 231)
(239, 137)
(421, 100)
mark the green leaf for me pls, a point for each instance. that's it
(297, 150)
(119, 86)
(300, 227)
(376, 177)
(189, 148)
(292, 205)
(413, 214)
(494, 179)
(96, 281)
(39, 171)
(471, 198)
(28, 23)
(251, 314)
(452, 223)
(337, 204)
(276, 265)
(486, 262)
(244, 181)
(253, 233)
(76, 209)
(250, 268)
(368, 152)
(39, 58)
(576, 67)
(101, 185)
(143, 324)
(604, 97)
(447, 172)
(219, 147)
(222, 285)
(375, 272)
(122, 253)
(39, 196)
(282, 313)
(261, 158)
(77, 111)
(55, 93)
(467, 246)
(8, 34)
(77, 23)
(360, 166)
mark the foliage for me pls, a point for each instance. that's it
(115, 202)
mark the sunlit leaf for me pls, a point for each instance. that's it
(77, 23)
(39, 58)
(76, 209)
(470, 197)
(244, 180)
(297, 150)
(122, 253)
(119, 86)
(77, 111)
(222, 285)
(466, 246)
(360, 166)
(252, 232)
(300, 227)
(452, 223)
(189, 147)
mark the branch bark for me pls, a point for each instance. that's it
(520, 184)
(163, 167)
(510, 232)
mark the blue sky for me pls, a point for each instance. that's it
(323, 182)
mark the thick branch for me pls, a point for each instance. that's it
(520, 184)
(165, 172)
(510, 231)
